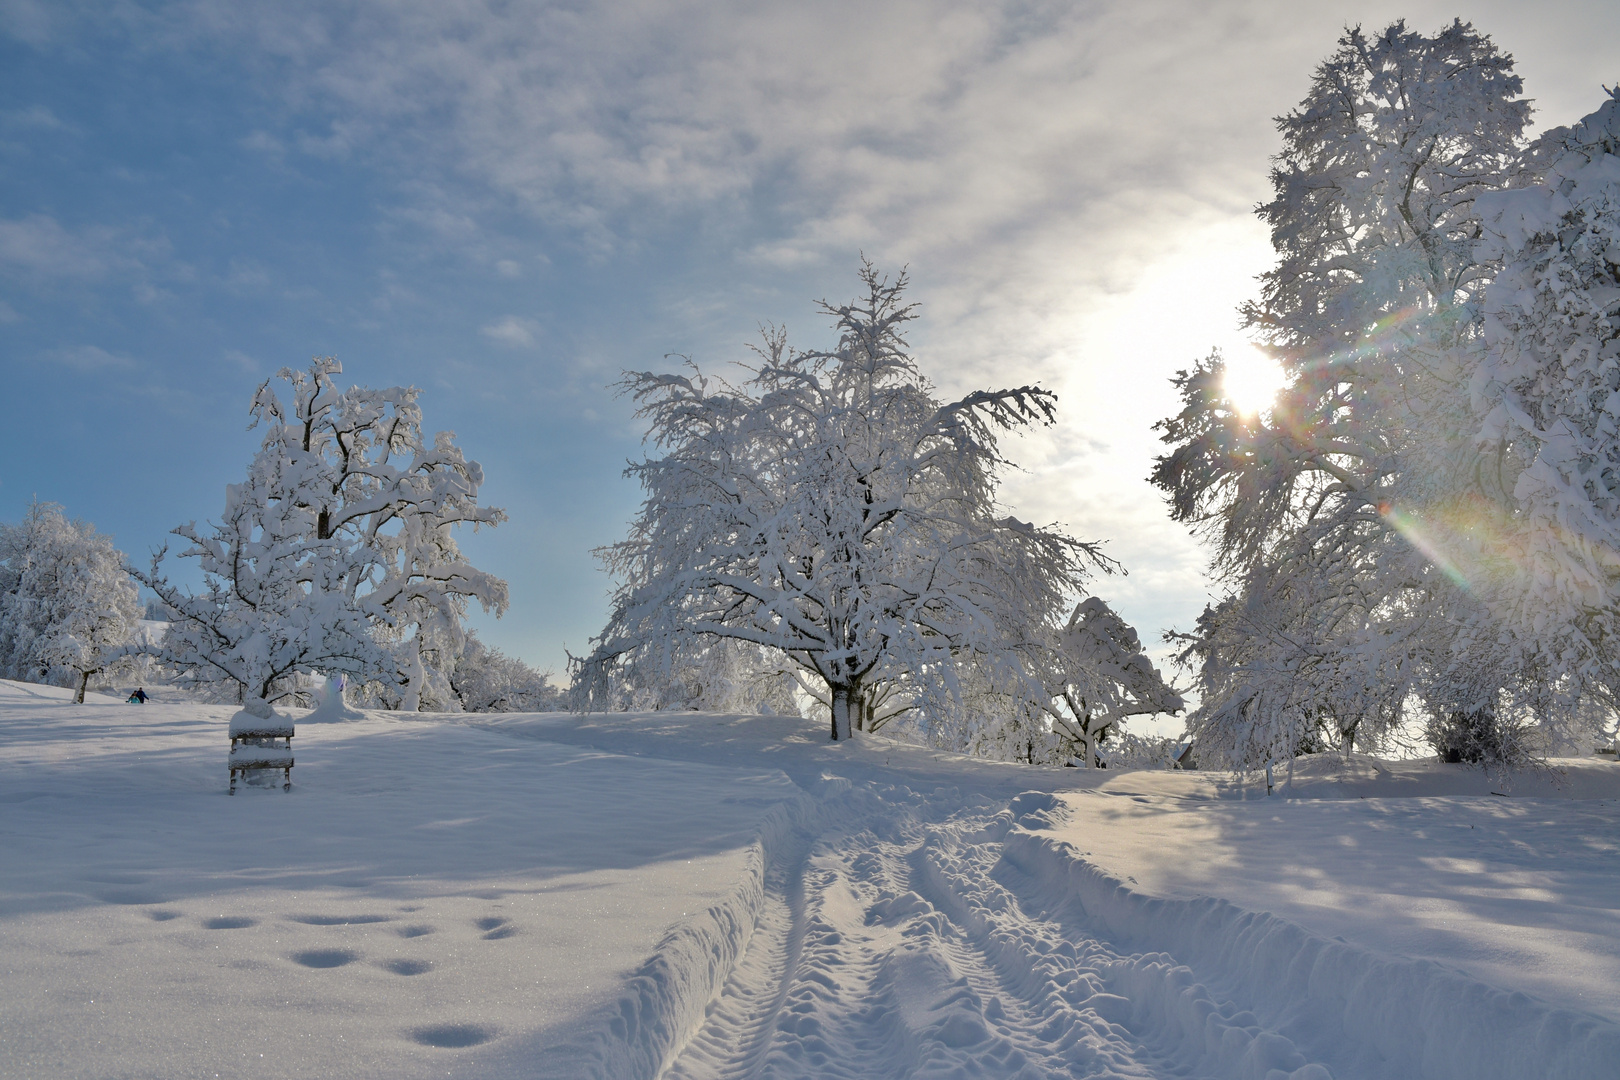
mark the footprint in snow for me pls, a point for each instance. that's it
(497, 928)
(325, 958)
(229, 922)
(406, 967)
(452, 1036)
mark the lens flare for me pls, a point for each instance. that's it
(1251, 380)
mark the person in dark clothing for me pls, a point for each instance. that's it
(138, 697)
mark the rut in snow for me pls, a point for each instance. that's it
(895, 943)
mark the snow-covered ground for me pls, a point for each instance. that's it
(701, 896)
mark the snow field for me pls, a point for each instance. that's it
(429, 899)
(690, 896)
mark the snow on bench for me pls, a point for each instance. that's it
(253, 746)
(246, 725)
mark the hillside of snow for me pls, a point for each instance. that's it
(688, 895)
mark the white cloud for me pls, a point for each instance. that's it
(246, 276)
(35, 116)
(40, 247)
(513, 330)
(90, 358)
(264, 143)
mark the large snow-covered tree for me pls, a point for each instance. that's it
(67, 607)
(336, 554)
(834, 512)
(1360, 556)
(1549, 389)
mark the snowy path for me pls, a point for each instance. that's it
(887, 947)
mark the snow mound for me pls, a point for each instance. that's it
(1333, 1000)
(331, 708)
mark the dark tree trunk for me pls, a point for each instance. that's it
(843, 705)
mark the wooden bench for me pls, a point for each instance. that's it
(253, 746)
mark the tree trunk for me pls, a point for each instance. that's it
(1090, 742)
(841, 708)
(84, 681)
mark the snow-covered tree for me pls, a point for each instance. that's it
(487, 680)
(336, 553)
(1362, 559)
(1101, 676)
(67, 607)
(1549, 389)
(703, 672)
(834, 512)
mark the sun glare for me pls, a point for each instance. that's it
(1252, 380)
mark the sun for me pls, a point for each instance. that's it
(1252, 380)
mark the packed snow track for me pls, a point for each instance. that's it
(899, 942)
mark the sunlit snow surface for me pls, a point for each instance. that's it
(703, 896)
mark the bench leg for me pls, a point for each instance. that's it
(233, 782)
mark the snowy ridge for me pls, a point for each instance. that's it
(663, 1002)
(1367, 1013)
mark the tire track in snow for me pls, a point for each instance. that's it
(737, 1030)
(897, 945)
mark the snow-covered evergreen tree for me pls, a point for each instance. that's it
(835, 513)
(1362, 558)
(67, 607)
(335, 554)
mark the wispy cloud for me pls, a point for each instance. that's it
(41, 247)
(264, 143)
(513, 330)
(34, 116)
(90, 358)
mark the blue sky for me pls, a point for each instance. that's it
(506, 204)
